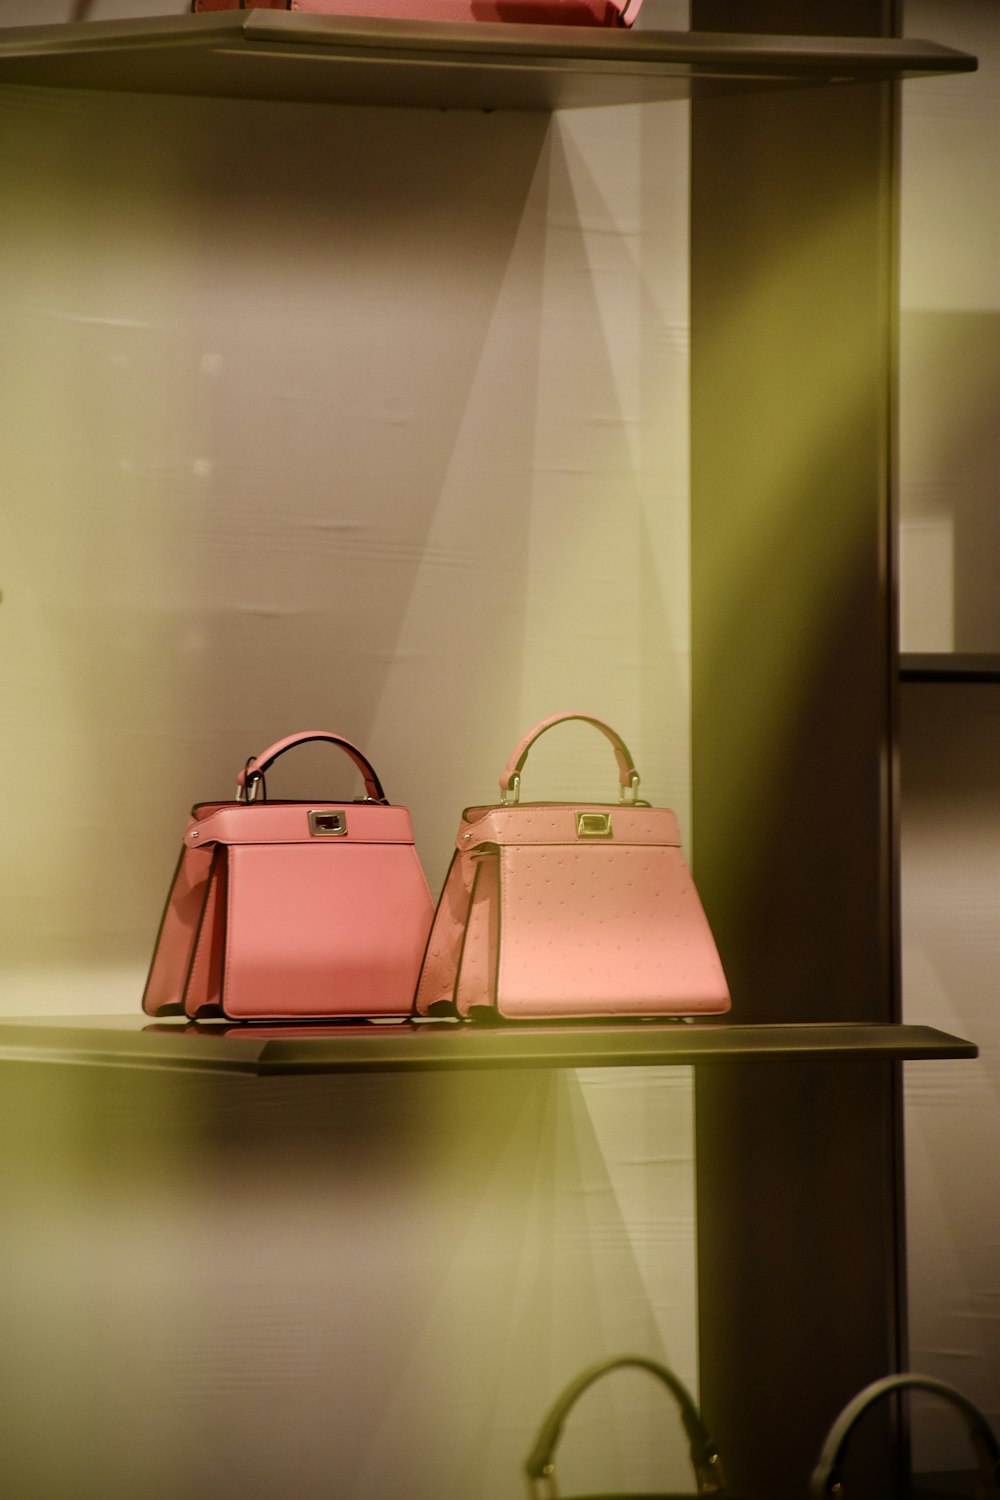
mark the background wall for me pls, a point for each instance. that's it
(950, 734)
(375, 421)
(363, 419)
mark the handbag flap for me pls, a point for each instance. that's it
(574, 823)
(301, 822)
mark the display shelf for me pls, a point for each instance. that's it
(263, 54)
(950, 666)
(268, 1051)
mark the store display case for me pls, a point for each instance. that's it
(799, 1152)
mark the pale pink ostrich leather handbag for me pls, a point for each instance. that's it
(570, 909)
(293, 910)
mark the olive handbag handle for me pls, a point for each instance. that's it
(540, 1467)
(827, 1479)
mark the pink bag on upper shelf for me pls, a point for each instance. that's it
(293, 911)
(570, 909)
(536, 12)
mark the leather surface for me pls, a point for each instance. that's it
(178, 931)
(439, 970)
(314, 930)
(264, 919)
(556, 823)
(477, 967)
(203, 984)
(604, 931)
(288, 822)
(541, 922)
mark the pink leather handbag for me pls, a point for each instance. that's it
(539, 12)
(293, 910)
(570, 909)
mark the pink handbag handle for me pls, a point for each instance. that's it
(251, 778)
(628, 776)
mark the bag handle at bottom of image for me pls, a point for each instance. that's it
(628, 776)
(827, 1478)
(539, 1466)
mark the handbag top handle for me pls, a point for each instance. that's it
(539, 1466)
(510, 776)
(827, 1480)
(250, 781)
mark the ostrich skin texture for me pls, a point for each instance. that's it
(539, 919)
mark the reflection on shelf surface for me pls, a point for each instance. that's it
(341, 1047)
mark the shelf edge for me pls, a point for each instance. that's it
(949, 666)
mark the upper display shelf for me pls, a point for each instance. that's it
(266, 54)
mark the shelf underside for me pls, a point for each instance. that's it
(950, 666)
(263, 54)
(129, 1042)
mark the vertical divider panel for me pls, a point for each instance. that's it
(798, 1170)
